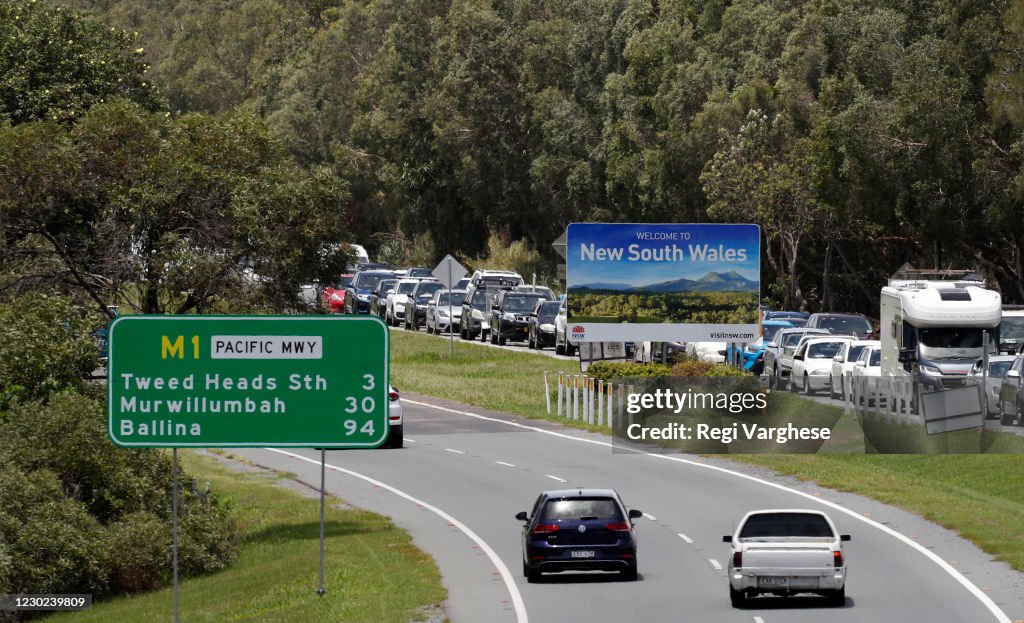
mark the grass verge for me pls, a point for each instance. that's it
(372, 570)
(977, 495)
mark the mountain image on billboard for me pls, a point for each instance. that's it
(664, 274)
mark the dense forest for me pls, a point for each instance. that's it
(859, 135)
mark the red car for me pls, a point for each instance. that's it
(333, 299)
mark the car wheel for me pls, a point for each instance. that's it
(790, 385)
(738, 599)
(559, 349)
(532, 575)
(395, 437)
(501, 340)
(1005, 418)
(1020, 412)
(838, 598)
(570, 350)
(629, 574)
(807, 386)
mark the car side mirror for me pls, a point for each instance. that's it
(798, 357)
(845, 537)
(907, 355)
(522, 516)
(861, 364)
(1013, 374)
(635, 514)
(838, 359)
(727, 538)
(773, 345)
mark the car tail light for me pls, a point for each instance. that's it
(737, 559)
(393, 395)
(617, 527)
(627, 555)
(545, 528)
(838, 558)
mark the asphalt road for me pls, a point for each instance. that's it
(460, 480)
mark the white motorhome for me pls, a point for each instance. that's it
(933, 323)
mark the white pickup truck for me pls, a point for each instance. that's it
(784, 552)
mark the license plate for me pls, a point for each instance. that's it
(770, 581)
(582, 553)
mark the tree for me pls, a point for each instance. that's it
(55, 64)
(163, 215)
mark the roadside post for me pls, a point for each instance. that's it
(247, 381)
(448, 272)
(561, 388)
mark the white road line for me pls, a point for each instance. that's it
(454, 451)
(758, 620)
(556, 478)
(650, 516)
(410, 440)
(956, 575)
(685, 538)
(504, 463)
(506, 575)
(714, 563)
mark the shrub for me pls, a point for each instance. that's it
(140, 553)
(54, 544)
(46, 344)
(92, 517)
(609, 371)
(689, 367)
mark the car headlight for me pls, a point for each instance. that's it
(399, 306)
(932, 370)
(363, 298)
(547, 328)
(477, 313)
(750, 349)
(508, 316)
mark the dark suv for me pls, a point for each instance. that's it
(419, 298)
(579, 530)
(510, 315)
(476, 310)
(842, 324)
(357, 294)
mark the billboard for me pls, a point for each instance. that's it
(661, 282)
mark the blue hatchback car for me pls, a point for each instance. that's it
(753, 353)
(579, 530)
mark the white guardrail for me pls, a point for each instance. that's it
(584, 398)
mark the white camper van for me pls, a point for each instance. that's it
(933, 324)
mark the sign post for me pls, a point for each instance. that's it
(247, 381)
(448, 272)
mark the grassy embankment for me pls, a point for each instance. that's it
(978, 495)
(372, 570)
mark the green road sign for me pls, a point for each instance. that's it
(220, 381)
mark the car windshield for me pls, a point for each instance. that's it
(1012, 328)
(457, 298)
(997, 369)
(549, 309)
(581, 508)
(499, 280)
(854, 352)
(785, 525)
(480, 299)
(875, 358)
(406, 287)
(845, 324)
(769, 331)
(797, 322)
(791, 339)
(519, 303)
(950, 337)
(419, 272)
(823, 350)
(368, 281)
(427, 289)
(344, 282)
(386, 285)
